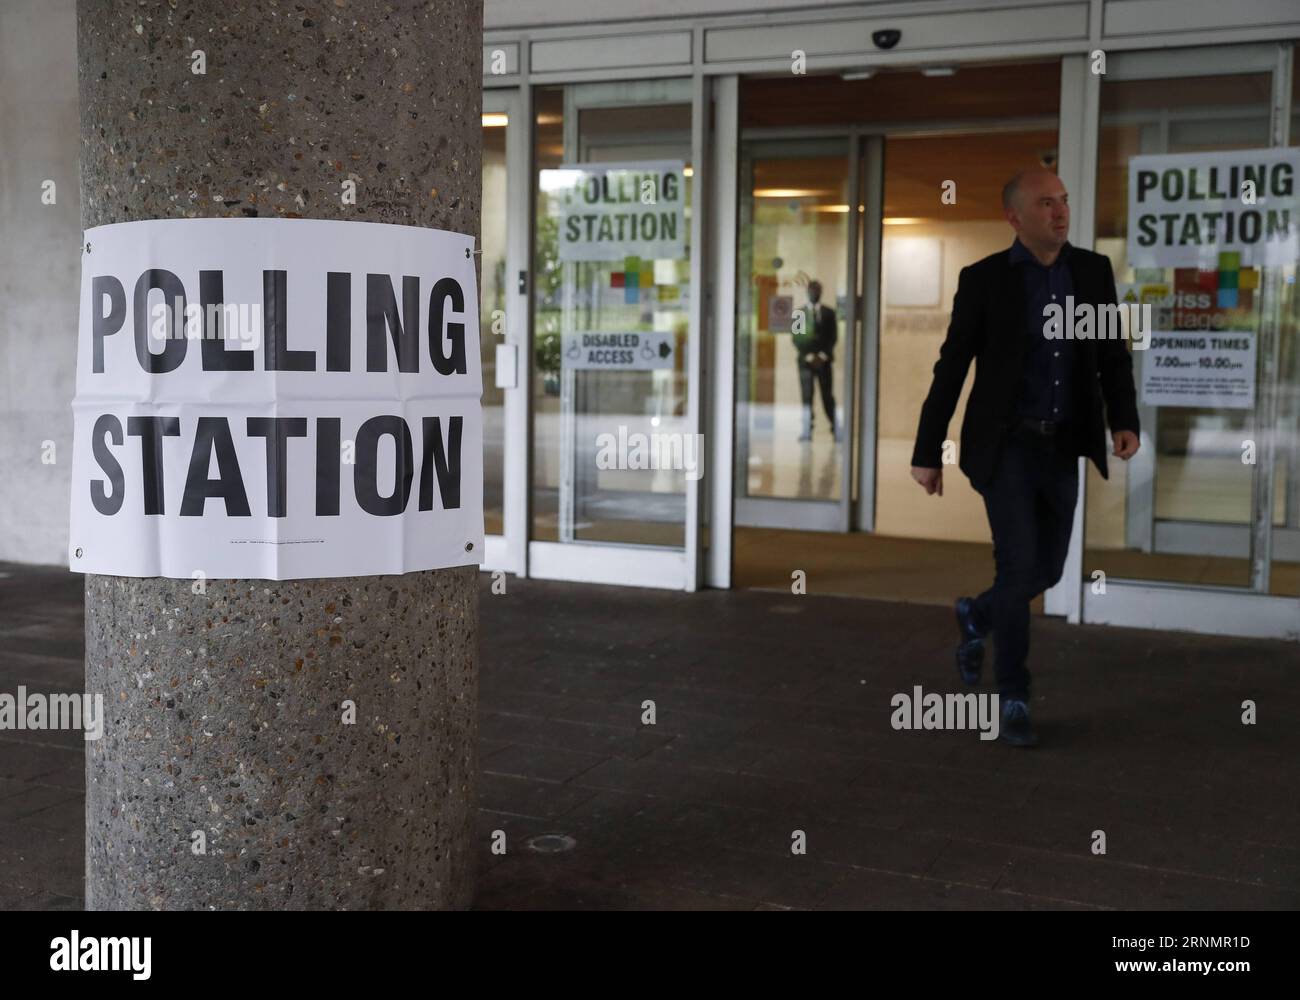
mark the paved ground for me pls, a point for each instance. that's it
(773, 716)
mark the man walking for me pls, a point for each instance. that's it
(816, 352)
(1035, 407)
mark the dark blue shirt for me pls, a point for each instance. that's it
(1045, 390)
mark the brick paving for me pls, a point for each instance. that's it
(773, 716)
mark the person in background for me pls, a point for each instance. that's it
(816, 353)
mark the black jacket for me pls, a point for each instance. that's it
(822, 336)
(988, 326)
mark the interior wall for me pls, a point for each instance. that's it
(910, 338)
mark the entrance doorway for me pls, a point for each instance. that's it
(613, 316)
(885, 215)
(794, 360)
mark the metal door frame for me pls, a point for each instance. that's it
(509, 550)
(669, 567)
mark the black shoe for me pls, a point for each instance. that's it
(1016, 729)
(970, 650)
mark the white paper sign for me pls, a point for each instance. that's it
(621, 351)
(611, 211)
(1184, 209)
(276, 399)
(1206, 369)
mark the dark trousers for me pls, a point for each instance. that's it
(823, 377)
(1030, 502)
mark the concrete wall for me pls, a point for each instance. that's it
(40, 270)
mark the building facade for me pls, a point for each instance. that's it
(782, 122)
(662, 184)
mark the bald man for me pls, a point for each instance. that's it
(1037, 405)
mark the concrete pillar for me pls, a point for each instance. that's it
(223, 710)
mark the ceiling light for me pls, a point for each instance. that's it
(787, 193)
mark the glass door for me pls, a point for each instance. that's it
(503, 328)
(1204, 506)
(614, 441)
(795, 321)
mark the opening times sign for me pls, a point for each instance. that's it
(1185, 209)
(276, 399)
(610, 211)
(1205, 369)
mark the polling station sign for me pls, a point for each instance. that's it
(610, 211)
(276, 399)
(1186, 208)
